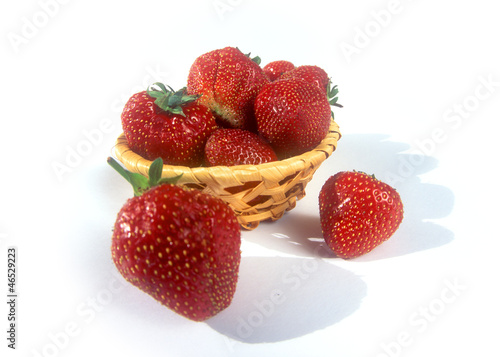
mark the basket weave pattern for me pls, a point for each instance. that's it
(255, 192)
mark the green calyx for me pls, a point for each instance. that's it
(331, 93)
(367, 174)
(255, 59)
(169, 100)
(140, 183)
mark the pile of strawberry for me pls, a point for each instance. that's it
(182, 246)
(232, 112)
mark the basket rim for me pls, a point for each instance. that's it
(130, 159)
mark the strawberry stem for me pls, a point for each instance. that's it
(169, 100)
(140, 183)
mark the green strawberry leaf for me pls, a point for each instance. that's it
(162, 87)
(170, 180)
(155, 171)
(332, 95)
(257, 60)
(120, 169)
(140, 183)
(168, 99)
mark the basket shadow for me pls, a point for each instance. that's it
(280, 298)
(299, 231)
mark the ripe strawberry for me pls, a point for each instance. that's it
(274, 70)
(317, 76)
(178, 245)
(228, 81)
(229, 147)
(358, 213)
(311, 74)
(292, 115)
(167, 124)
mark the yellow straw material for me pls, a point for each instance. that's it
(255, 192)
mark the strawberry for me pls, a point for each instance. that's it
(317, 76)
(274, 70)
(179, 245)
(311, 74)
(229, 147)
(228, 81)
(167, 124)
(358, 213)
(292, 115)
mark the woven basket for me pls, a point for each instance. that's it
(255, 192)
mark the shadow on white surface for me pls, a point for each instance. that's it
(402, 167)
(392, 162)
(280, 298)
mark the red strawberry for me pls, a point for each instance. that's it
(317, 76)
(274, 70)
(167, 124)
(178, 245)
(311, 74)
(358, 213)
(292, 115)
(229, 147)
(228, 81)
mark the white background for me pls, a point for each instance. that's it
(420, 85)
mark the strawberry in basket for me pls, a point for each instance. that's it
(276, 69)
(317, 76)
(169, 124)
(230, 147)
(228, 81)
(292, 115)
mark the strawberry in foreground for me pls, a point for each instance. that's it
(274, 70)
(178, 245)
(167, 124)
(292, 115)
(230, 147)
(358, 213)
(228, 81)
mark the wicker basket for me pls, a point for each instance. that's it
(255, 192)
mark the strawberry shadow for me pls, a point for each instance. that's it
(299, 231)
(281, 298)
